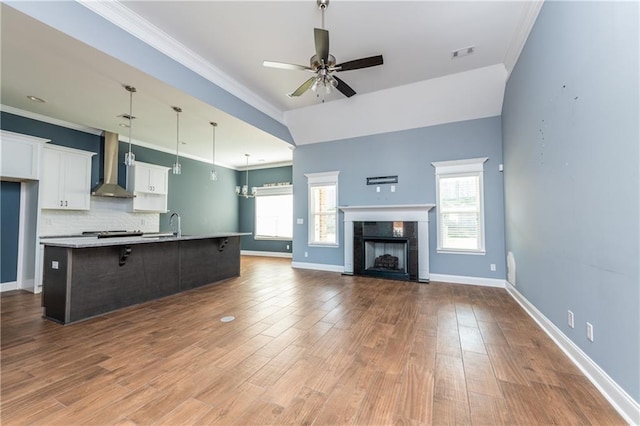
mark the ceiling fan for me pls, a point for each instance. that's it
(323, 65)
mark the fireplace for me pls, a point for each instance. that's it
(387, 231)
(386, 249)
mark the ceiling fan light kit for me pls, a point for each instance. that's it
(323, 65)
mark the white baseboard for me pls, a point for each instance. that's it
(318, 267)
(8, 286)
(619, 399)
(460, 279)
(265, 253)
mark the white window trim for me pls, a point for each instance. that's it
(457, 168)
(266, 191)
(319, 179)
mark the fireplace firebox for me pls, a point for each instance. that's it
(386, 250)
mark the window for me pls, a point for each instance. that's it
(460, 208)
(323, 208)
(274, 213)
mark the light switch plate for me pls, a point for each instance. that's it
(54, 264)
(300, 221)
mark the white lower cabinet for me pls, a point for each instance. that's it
(66, 178)
(149, 183)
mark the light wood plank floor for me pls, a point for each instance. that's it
(306, 347)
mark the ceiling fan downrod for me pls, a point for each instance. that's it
(322, 4)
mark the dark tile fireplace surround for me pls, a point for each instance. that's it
(386, 249)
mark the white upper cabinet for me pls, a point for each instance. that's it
(150, 185)
(21, 156)
(66, 178)
(149, 178)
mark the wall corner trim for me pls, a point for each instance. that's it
(459, 279)
(318, 267)
(265, 253)
(619, 399)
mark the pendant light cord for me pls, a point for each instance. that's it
(213, 159)
(178, 110)
(130, 117)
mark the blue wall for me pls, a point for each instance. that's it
(204, 206)
(571, 154)
(407, 154)
(9, 220)
(247, 208)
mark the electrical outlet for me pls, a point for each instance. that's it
(377, 189)
(143, 222)
(393, 188)
(306, 254)
(492, 267)
(299, 221)
(570, 319)
(288, 246)
(590, 331)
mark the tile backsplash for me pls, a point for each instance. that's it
(105, 214)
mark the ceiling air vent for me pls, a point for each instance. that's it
(463, 52)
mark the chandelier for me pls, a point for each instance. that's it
(244, 190)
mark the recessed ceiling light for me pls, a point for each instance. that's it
(261, 160)
(124, 125)
(463, 52)
(36, 99)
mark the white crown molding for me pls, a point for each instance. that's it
(50, 120)
(529, 16)
(121, 16)
(621, 400)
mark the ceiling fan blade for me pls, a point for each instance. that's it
(286, 66)
(304, 87)
(344, 88)
(322, 44)
(371, 61)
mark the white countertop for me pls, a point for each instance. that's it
(86, 242)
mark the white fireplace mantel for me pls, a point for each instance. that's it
(389, 213)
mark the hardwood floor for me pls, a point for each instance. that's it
(306, 347)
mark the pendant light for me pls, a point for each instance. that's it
(213, 175)
(130, 157)
(177, 168)
(244, 190)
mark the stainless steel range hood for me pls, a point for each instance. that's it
(109, 187)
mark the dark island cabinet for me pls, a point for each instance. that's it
(81, 283)
(208, 261)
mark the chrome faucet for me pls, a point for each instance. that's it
(178, 230)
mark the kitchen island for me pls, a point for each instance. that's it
(89, 276)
